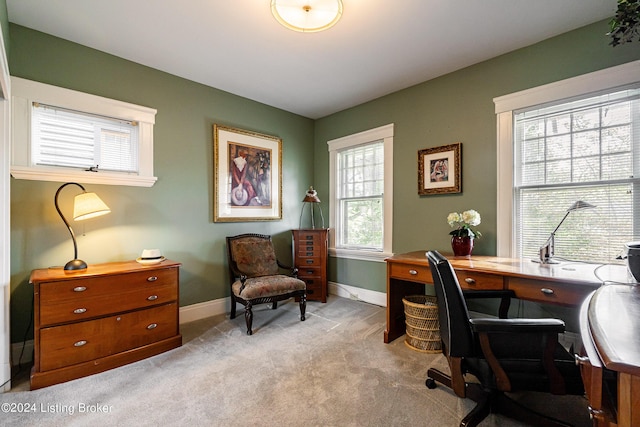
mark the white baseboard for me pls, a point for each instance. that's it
(202, 310)
(219, 306)
(358, 294)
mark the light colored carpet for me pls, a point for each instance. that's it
(331, 370)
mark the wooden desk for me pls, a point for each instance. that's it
(610, 365)
(567, 283)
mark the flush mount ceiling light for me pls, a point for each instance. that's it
(307, 16)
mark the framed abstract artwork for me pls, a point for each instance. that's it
(248, 175)
(439, 170)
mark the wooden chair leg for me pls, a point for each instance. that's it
(303, 307)
(232, 315)
(439, 376)
(248, 317)
(458, 384)
(455, 381)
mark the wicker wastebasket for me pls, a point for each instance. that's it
(423, 328)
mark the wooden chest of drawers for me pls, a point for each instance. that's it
(106, 316)
(310, 248)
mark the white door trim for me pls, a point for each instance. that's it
(5, 225)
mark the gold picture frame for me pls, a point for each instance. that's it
(439, 170)
(248, 175)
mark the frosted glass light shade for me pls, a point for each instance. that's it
(307, 16)
(88, 205)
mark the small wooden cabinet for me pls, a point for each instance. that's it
(109, 315)
(310, 248)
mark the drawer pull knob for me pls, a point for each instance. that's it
(79, 289)
(581, 359)
(152, 326)
(152, 297)
(152, 279)
(413, 272)
(547, 291)
(80, 310)
(79, 343)
(470, 281)
(309, 261)
(309, 253)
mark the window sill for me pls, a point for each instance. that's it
(359, 255)
(85, 177)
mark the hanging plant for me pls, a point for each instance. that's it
(625, 25)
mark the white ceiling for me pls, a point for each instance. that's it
(379, 46)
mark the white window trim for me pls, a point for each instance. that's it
(505, 105)
(384, 133)
(25, 92)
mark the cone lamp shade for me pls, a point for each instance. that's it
(311, 198)
(88, 205)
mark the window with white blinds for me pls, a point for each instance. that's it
(63, 135)
(581, 149)
(66, 138)
(360, 197)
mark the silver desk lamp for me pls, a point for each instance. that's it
(547, 250)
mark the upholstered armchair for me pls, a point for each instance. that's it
(505, 355)
(256, 278)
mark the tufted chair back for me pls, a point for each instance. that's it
(254, 256)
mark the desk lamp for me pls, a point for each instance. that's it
(547, 250)
(85, 206)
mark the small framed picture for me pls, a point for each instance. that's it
(439, 170)
(248, 176)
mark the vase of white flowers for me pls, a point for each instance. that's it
(462, 236)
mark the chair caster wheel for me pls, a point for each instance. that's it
(430, 383)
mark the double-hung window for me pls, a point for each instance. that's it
(64, 135)
(360, 191)
(582, 147)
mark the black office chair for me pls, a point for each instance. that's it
(505, 355)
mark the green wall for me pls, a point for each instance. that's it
(457, 107)
(176, 214)
(4, 24)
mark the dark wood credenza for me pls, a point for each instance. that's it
(610, 360)
(92, 320)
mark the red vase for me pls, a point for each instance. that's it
(462, 246)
